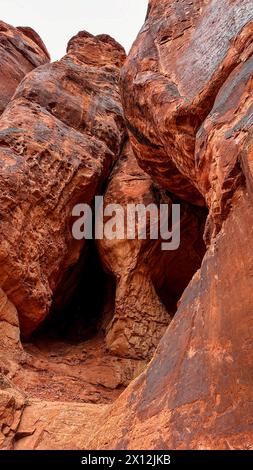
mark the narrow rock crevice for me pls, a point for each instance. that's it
(79, 316)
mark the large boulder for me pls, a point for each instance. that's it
(176, 67)
(21, 50)
(59, 138)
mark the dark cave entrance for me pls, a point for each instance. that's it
(174, 271)
(84, 302)
(90, 306)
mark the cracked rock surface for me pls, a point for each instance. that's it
(124, 346)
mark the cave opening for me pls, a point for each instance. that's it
(84, 303)
(82, 315)
(68, 358)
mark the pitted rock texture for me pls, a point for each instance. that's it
(139, 318)
(59, 137)
(12, 403)
(21, 50)
(197, 391)
(182, 56)
(9, 325)
(187, 96)
(148, 280)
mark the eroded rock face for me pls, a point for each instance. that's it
(139, 318)
(12, 404)
(149, 281)
(59, 137)
(35, 37)
(197, 391)
(71, 424)
(187, 93)
(83, 372)
(182, 56)
(9, 325)
(21, 50)
(224, 146)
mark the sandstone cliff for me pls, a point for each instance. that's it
(187, 85)
(186, 91)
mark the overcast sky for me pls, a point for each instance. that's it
(58, 20)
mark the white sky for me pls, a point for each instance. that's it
(57, 21)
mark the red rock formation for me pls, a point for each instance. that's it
(9, 325)
(224, 146)
(21, 50)
(59, 137)
(139, 318)
(31, 34)
(197, 391)
(82, 372)
(70, 424)
(12, 404)
(187, 93)
(144, 272)
(182, 56)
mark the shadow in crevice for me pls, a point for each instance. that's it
(82, 314)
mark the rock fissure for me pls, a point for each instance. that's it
(124, 345)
